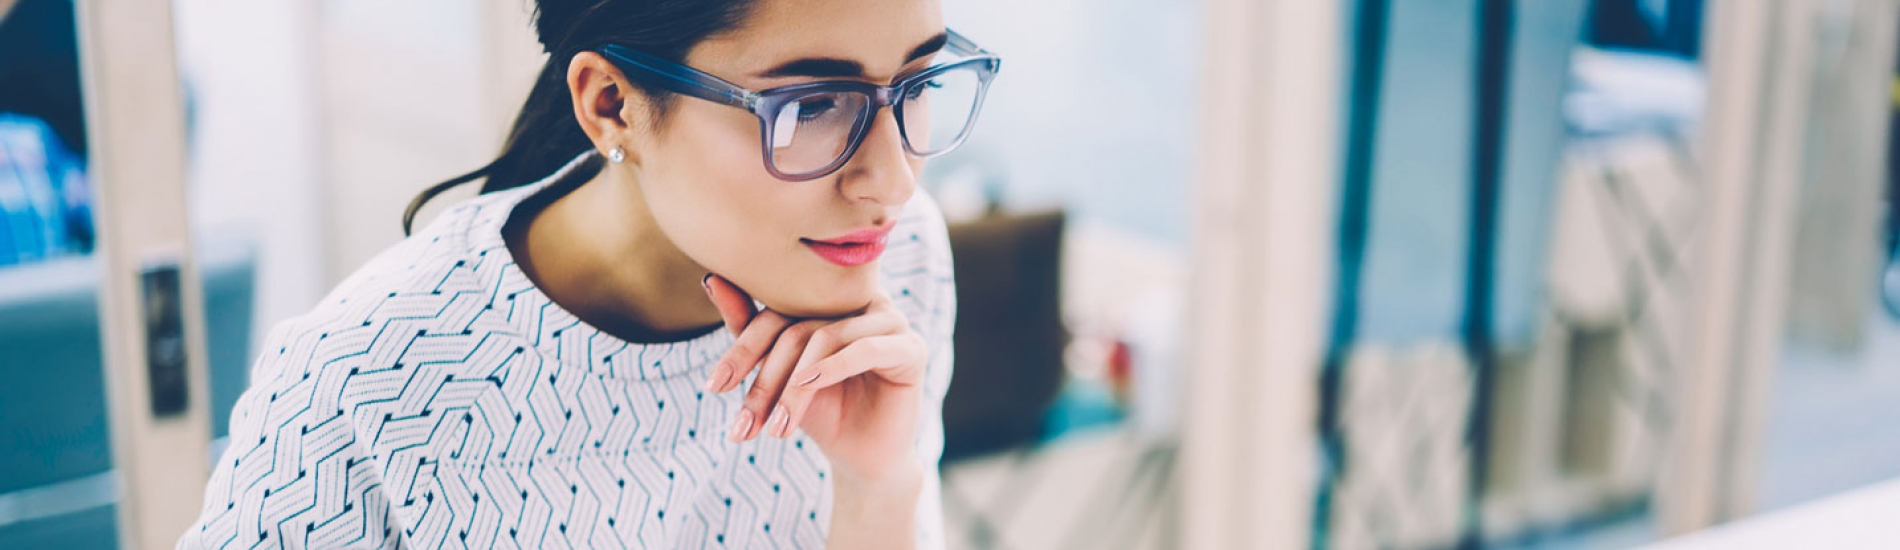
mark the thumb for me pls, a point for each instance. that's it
(735, 306)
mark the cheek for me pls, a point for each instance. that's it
(714, 200)
(705, 184)
(754, 242)
(719, 210)
(709, 192)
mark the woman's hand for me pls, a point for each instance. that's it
(853, 383)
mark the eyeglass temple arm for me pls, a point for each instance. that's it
(963, 45)
(693, 82)
(683, 79)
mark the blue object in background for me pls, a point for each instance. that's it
(1455, 136)
(1543, 37)
(45, 204)
(1412, 285)
(1083, 405)
(58, 488)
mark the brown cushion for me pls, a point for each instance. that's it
(1010, 337)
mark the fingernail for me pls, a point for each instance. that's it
(716, 381)
(706, 282)
(741, 426)
(777, 424)
(813, 378)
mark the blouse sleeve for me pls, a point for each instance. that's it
(294, 474)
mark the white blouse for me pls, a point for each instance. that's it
(436, 398)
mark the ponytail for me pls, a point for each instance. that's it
(545, 136)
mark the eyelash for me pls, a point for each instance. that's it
(918, 91)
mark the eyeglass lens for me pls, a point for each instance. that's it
(813, 132)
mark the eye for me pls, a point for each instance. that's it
(918, 90)
(812, 109)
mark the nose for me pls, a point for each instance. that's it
(880, 171)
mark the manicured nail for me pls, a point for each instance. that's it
(717, 380)
(779, 419)
(741, 427)
(706, 282)
(813, 378)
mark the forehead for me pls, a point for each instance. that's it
(878, 34)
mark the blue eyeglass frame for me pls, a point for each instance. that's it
(765, 104)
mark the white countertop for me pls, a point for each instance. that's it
(1868, 517)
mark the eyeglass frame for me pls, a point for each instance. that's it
(766, 104)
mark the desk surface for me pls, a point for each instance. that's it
(1868, 517)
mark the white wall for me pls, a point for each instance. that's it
(315, 122)
(1095, 109)
(415, 93)
(255, 155)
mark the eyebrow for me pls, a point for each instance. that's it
(832, 67)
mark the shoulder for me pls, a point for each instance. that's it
(920, 240)
(432, 285)
(918, 270)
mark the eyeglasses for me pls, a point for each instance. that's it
(810, 130)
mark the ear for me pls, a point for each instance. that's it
(606, 104)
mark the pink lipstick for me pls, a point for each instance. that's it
(852, 249)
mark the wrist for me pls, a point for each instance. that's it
(877, 493)
(875, 511)
(899, 479)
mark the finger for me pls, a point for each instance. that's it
(900, 356)
(772, 378)
(824, 342)
(746, 351)
(836, 336)
(874, 322)
(735, 306)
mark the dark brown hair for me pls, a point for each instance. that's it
(545, 135)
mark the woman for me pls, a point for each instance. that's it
(543, 365)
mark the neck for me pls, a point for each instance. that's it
(598, 253)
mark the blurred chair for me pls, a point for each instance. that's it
(1009, 350)
(1010, 337)
(57, 486)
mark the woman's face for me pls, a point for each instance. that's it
(702, 177)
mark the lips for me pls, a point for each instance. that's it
(853, 249)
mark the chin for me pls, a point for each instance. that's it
(832, 296)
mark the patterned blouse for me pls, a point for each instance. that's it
(436, 398)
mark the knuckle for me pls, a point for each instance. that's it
(819, 365)
(780, 354)
(869, 347)
(757, 395)
(824, 337)
(773, 319)
(792, 398)
(804, 331)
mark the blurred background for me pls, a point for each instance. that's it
(1330, 274)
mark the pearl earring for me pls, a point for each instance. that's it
(616, 155)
